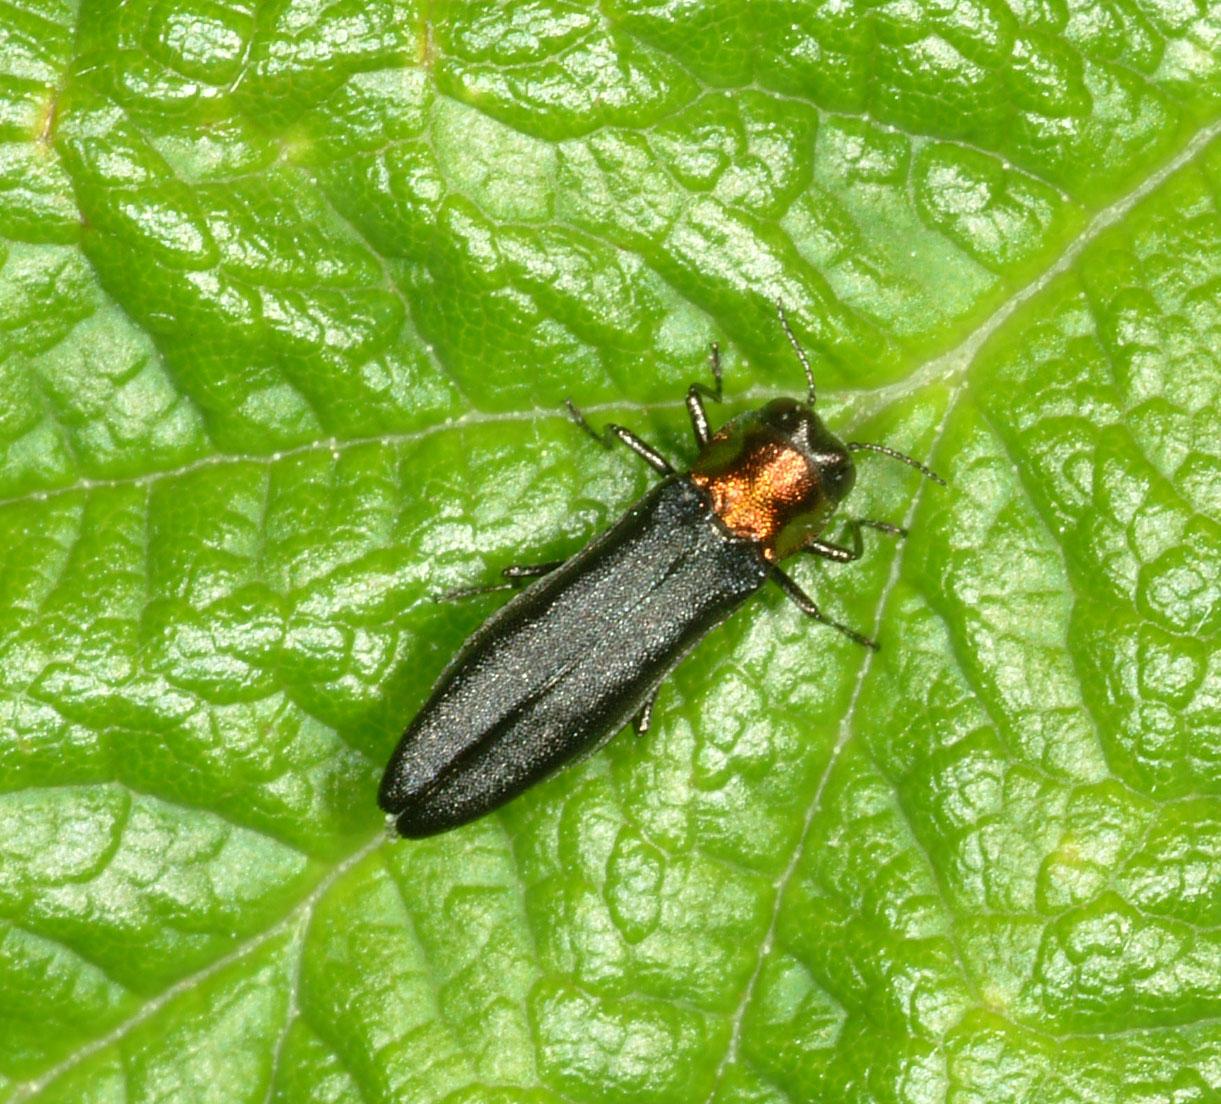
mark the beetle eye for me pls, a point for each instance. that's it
(838, 474)
(783, 416)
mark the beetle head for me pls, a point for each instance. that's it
(797, 425)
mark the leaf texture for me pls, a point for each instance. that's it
(290, 296)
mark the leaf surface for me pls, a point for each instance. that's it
(290, 297)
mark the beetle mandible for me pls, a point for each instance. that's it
(583, 649)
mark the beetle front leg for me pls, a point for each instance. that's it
(695, 405)
(839, 553)
(641, 448)
(809, 607)
(514, 573)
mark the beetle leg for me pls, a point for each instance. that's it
(514, 573)
(641, 448)
(839, 553)
(880, 526)
(695, 405)
(644, 715)
(807, 605)
(836, 552)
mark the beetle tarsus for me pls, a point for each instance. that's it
(459, 593)
(880, 526)
(644, 716)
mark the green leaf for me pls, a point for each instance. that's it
(290, 296)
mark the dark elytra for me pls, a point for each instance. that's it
(583, 649)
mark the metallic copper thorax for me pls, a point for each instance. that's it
(758, 490)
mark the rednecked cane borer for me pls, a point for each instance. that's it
(582, 650)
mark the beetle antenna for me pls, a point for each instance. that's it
(801, 353)
(894, 454)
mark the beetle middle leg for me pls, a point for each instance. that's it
(644, 715)
(695, 405)
(809, 607)
(514, 574)
(641, 448)
(837, 552)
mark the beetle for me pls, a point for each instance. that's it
(583, 649)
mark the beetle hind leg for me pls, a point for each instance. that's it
(809, 607)
(513, 574)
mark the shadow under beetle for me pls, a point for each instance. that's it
(582, 650)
